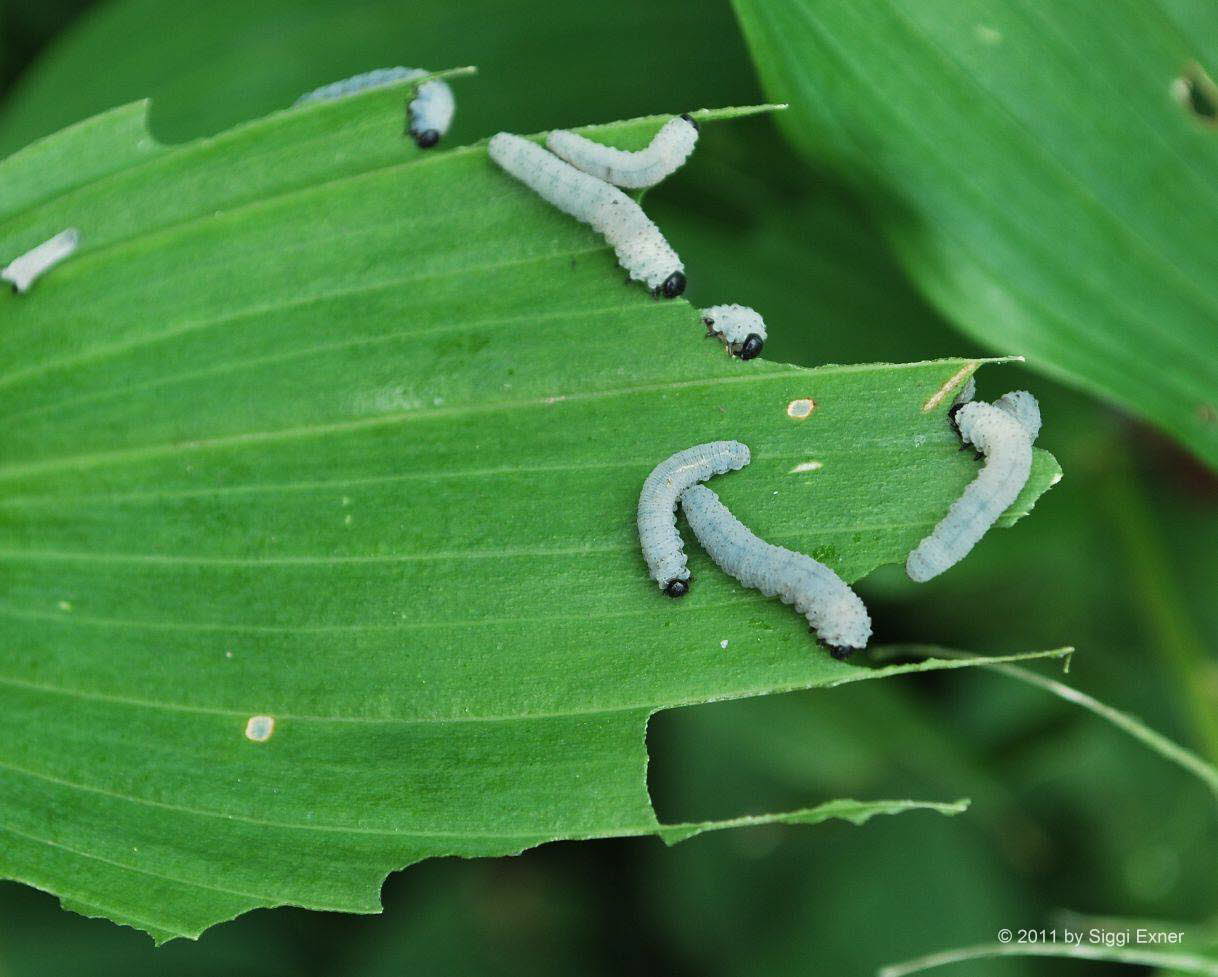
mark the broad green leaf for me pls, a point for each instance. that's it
(1038, 177)
(320, 429)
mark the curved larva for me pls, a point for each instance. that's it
(22, 271)
(664, 155)
(999, 435)
(429, 114)
(658, 536)
(742, 329)
(637, 242)
(834, 611)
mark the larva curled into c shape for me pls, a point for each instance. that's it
(1003, 432)
(657, 518)
(741, 329)
(835, 613)
(25, 269)
(429, 114)
(635, 239)
(663, 156)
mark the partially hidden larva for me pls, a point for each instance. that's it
(663, 156)
(657, 521)
(1003, 432)
(640, 247)
(24, 270)
(741, 329)
(835, 613)
(429, 114)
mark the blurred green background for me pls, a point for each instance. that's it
(1120, 560)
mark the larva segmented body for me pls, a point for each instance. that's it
(741, 329)
(1022, 406)
(637, 242)
(1003, 434)
(835, 612)
(22, 271)
(429, 114)
(664, 155)
(657, 521)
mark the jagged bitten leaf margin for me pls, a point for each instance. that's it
(320, 428)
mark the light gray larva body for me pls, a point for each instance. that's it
(664, 155)
(430, 112)
(967, 392)
(1022, 406)
(741, 329)
(657, 521)
(834, 611)
(637, 242)
(1003, 432)
(22, 271)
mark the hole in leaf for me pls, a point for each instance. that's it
(1196, 91)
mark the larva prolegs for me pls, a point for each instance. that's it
(739, 328)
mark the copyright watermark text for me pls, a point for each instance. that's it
(1095, 936)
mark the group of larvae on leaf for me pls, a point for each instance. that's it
(835, 613)
(583, 178)
(429, 115)
(1002, 433)
(579, 176)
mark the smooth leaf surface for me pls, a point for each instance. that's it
(1041, 181)
(318, 428)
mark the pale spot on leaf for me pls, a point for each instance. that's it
(806, 466)
(801, 409)
(259, 728)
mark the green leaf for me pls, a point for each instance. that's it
(320, 429)
(1065, 212)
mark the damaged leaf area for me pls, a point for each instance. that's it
(317, 489)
